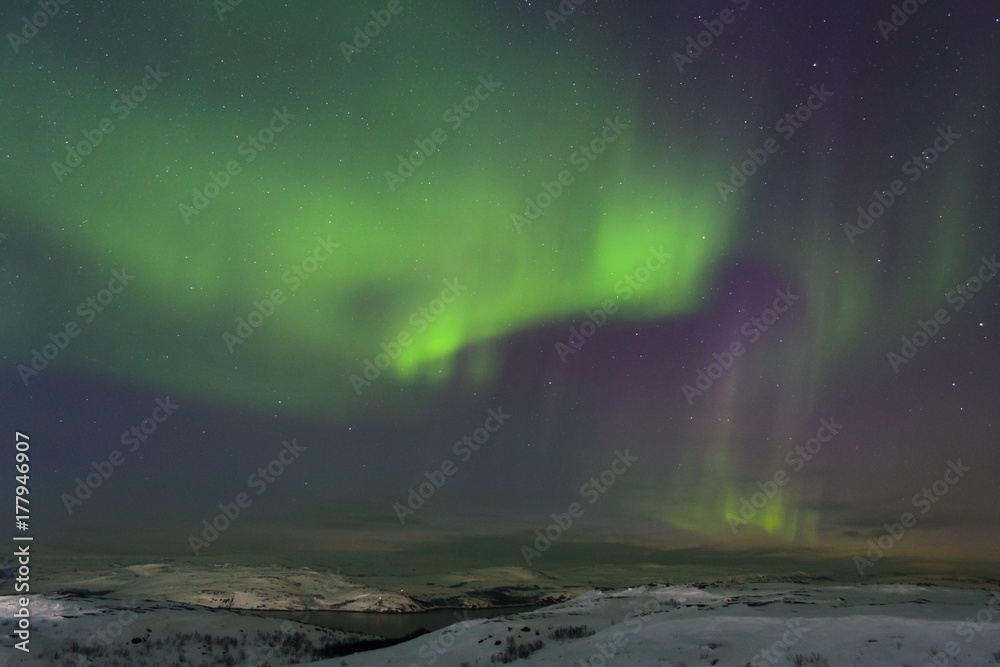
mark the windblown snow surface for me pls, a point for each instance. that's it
(769, 624)
(761, 624)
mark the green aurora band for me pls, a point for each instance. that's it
(323, 177)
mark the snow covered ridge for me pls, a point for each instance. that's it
(753, 625)
(71, 631)
(231, 586)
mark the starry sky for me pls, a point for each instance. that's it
(720, 275)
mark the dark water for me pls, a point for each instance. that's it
(391, 626)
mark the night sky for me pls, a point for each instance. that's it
(709, 275)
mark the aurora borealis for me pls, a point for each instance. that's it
(748, 241)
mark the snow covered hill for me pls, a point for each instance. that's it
(768, 624)
(749, 624)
